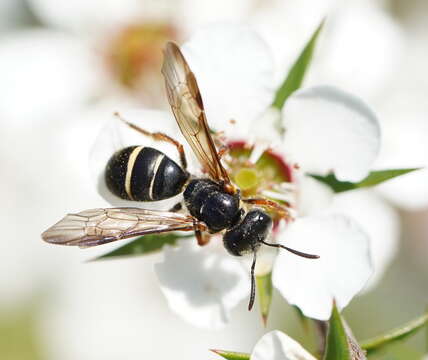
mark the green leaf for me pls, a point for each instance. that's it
(374, 178)
(265, 290)
(337, 341)
(341, 343)
(295, 77)
(231, 355)
(143, 245)
(396, 334)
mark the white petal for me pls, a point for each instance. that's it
(340, 273)
(199, 13)
(359, 58)
(287, 26)
(346, 49)
(379, 220)
(60, 77)
(115, 135)
(405, 134)
(313, 197)
(276, 345)
(266, 256)
(83, 16)
(330, 130)
(233, 68)
(267, 134)
(202, 285)
(408, 192)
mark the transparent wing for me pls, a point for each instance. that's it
(99, 226)
(186, 103)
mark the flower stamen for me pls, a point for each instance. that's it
(288, 198)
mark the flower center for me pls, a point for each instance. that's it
(270, 177)
(136, 52)
(246, 179)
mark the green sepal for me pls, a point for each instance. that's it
(395, 335)
(143, 245)
(304, 321)
(231, 355)
(264, 290)
(374, 178)
(341, 343)
(295, 76)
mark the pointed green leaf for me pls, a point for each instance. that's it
(231, 355)
(337, 341)
(394, 335)
(295, 77)
(143, 245)
(374, 178)
(265, 290)
(341, 343)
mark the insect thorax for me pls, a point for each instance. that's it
(208, 202)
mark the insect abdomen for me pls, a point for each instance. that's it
(144, 174)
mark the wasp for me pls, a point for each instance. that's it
(214, 204)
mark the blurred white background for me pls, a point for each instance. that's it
(65, 68)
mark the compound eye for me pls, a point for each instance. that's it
(235, 241)
(258, 222)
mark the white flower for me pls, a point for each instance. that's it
(359, 58)
(108, 32)
(276, 345)
(404, 112)
(342, 270)
(83, 16)
(364, 206)
(89, 16)
(216, 283)
(60, 78)
(326, 130)
(126, 38)
(320, 122)
(363, 59)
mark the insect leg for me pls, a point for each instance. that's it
(280, 210)
(199, 227)
(158, 136)
(224, 149)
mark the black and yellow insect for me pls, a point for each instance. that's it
(139, 173)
